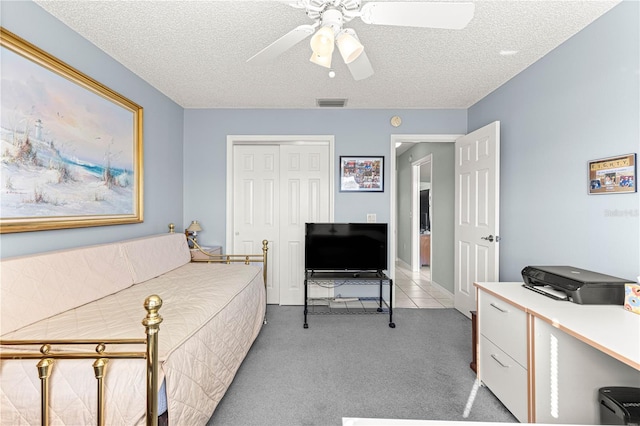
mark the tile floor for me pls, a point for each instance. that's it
(415, 290)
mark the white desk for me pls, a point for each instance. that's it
(598, 346)
(608, 328)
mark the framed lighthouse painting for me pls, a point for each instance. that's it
(71, 147)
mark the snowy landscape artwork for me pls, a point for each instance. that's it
(70, 147)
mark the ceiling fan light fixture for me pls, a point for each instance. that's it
(323, 42)
(349, 46)
(322, 60)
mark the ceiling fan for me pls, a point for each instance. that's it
(329, 16)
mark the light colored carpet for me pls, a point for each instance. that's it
(357, 366)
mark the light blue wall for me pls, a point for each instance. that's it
(357, 132)
(163, 124)
(578, 103)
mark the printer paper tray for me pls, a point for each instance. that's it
(547, 291)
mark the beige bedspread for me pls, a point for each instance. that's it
(209, 325)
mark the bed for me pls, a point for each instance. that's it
(208, 312)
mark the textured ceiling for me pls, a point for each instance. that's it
(195, 52)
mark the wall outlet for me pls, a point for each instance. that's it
(371, 218)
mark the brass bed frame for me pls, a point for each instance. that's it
(46, 354)
(247, 259)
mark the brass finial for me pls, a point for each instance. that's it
(44, 368)
(152, 304)
(99, 366)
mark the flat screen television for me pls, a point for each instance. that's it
(346, 247)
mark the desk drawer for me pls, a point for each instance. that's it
(506, 378)
(505, 325)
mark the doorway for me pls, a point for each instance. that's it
(276, 184)
(416, 288)
(421, 213)
(474, 242)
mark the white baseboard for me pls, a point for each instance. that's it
(435, 284)
(444, 290)
(403, 263)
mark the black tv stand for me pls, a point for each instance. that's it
(356, 305)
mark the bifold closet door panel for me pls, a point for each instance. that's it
(256, 206)
(304, 195)
(277, 188)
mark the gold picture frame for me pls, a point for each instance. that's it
(613, 175)
(72, 153)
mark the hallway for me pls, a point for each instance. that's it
(415, 290)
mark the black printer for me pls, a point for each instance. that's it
(619, 405)
(580, 286)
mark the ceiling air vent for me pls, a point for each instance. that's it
(331, 103)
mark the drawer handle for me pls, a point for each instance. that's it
(499, 308)
(498, 361)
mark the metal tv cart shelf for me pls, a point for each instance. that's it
(352, 305)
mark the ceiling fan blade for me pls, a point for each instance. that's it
(446, 15)
(282, 44)
(361, 68)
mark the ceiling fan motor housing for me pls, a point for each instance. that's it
(333, 19)
(317, 10)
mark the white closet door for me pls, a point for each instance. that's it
(256, 206)
(304, 196)
(276, 190)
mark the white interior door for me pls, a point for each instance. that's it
(256, 206)
(277, 189)
(304, 195)
(477, 213)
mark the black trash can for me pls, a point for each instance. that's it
(619, 405)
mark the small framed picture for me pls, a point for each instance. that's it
(362, 174)
(613, 175)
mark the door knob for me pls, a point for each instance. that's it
(489, 238)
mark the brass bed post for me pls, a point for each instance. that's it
(99, 368)
(44, 372)
(265, 249)
(152, 325)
